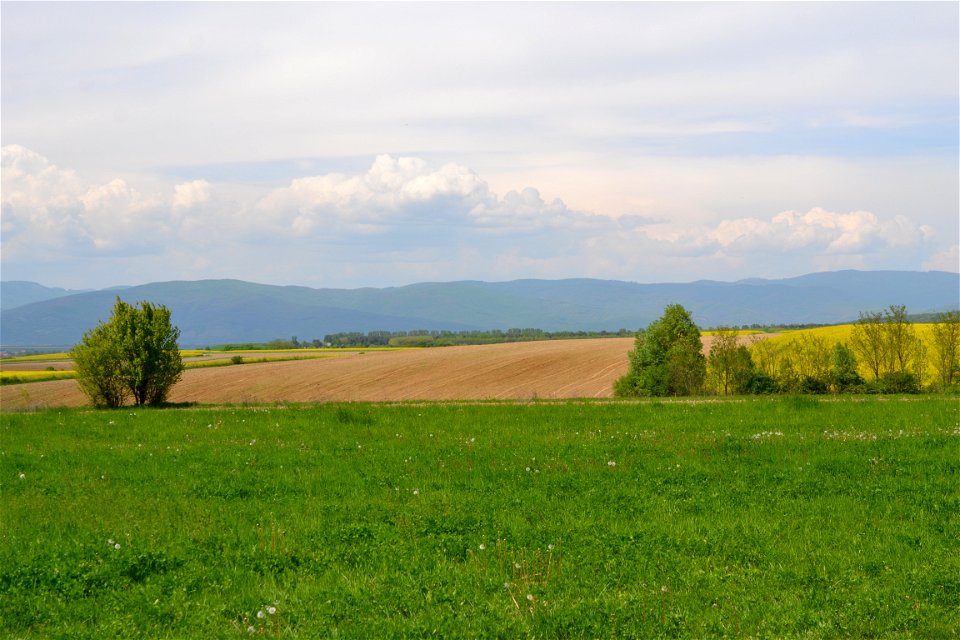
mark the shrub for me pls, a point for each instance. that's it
(898, 382)
(759, 383)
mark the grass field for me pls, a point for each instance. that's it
(778, 518)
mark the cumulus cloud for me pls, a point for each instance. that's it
(190, 194)
(49, 209)
(404, 191)
(405, 220)
(817, 230)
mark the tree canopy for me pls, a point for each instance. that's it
(667, 358)
(134, 354)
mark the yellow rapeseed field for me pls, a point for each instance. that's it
(32, 376)
(843, 332)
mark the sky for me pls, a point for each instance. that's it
(381, 144)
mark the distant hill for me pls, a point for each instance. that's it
(16, 293)
(220, 311)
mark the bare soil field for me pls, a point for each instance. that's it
(517, 371)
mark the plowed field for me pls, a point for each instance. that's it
(517, 371)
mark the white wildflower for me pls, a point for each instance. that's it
(271, 610)
(611, 463)
(22, 475)
(116, 546)
(530, 597)
(483, 547)
(261, 614)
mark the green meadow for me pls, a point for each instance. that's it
(791, 517)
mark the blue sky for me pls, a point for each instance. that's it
(369, 144)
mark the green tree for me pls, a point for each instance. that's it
(867, 340)
(730, 366)
(667, 359)
(134, 354)
(95, 360)
(843, 369)
(901, 339)
(946, 346)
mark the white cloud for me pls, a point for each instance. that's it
(948, 260)
(48, 209)
(190, 194)
(819, 230)
(398, 191)
(406, 220)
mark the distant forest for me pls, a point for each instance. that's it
(446, 338)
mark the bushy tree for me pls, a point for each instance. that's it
(95, 360)
(844, 375)
(134, 354)
(667, 358)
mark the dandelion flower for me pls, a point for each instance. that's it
(611, 463)
(483, 547)
(110, 541)
(416, 492)
(22, 475)
(251, 630)
(116, 546)
(261, 614)
(530, 597)
(664, 588)
(516, 565)
(550, 547)
(271, 610)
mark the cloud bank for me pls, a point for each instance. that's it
(405, 220)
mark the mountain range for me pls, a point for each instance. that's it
(211, 312)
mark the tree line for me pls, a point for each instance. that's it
(444, 338)
(422, 338)
(135, 355)
(885, 354)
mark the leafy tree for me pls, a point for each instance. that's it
(887, 342)
(95, 360)
(730, 364)
(803, 364)
(843, 369)
(946, 346)
(868, 342)
(134, 354)
(667, 358)
(900, 338)
(766, 354)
